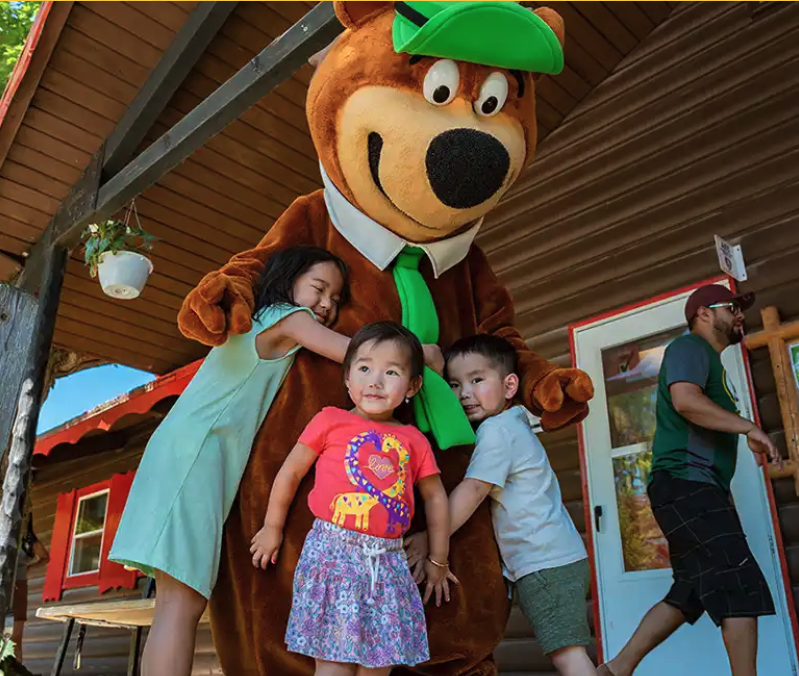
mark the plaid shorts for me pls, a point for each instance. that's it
(714, 569)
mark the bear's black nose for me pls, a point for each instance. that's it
(466, 167)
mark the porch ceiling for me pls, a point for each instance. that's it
(226, 196)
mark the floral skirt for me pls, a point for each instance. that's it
(355, 601)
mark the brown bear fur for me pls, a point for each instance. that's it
(250, 607)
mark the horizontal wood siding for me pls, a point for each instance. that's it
(694, 134)
(105, 651)
(223, 199)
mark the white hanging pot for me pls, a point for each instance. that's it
(124, 274)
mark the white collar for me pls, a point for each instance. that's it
(379, 245)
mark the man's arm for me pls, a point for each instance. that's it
(691, 402)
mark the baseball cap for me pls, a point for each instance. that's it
(711, 294)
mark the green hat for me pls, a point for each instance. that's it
(496, 33)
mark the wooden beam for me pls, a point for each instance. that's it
(169, 73)
(23, 433)
(17, 324)
(79, 203)
(37, 55)
(783, 331)
(274, 64)
(277, 62)
(786, 387)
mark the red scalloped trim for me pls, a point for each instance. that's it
(138, 401)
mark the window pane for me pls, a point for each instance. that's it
(631, 377)
(86, 556)
(642, 542)
(91, 514)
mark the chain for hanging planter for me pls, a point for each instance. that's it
(114, 251)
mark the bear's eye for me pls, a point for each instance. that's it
(441, 82)
(493, 95)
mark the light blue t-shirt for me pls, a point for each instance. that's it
(532, 527)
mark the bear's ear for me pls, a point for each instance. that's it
(354, 14)
(554, 21)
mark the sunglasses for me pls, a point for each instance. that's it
(734, 307)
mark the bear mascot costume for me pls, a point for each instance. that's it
(423, 116)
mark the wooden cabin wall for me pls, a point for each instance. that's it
(694, 134)
(105, 651)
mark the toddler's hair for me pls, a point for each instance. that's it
(498, 351)
(281, 270)
(383, 332)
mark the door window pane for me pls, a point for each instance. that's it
(631, 377)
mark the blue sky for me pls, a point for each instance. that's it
(84, 390)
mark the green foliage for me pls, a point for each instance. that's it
(113, 236)
(15, 22)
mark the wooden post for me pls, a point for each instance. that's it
(17, 322)
(774, 335)
(23, 433)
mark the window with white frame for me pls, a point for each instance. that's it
(87, 536)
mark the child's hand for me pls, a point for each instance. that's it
(416, 551)
(438, 580)
(434, 358)
(265, 546)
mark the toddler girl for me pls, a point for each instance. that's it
(356, 609)
(190, 472)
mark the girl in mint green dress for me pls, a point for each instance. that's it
(189, 475)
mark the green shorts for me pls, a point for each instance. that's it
(553, 601)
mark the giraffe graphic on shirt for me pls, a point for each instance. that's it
(360, 503)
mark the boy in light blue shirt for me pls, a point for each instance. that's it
(542, 553)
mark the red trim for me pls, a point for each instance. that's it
(59, 547)
(113, 575)
(647, 301)
(138, 401)
(24, 60)
(589, 522)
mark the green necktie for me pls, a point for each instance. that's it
(436, 407)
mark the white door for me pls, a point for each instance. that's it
(622, 354)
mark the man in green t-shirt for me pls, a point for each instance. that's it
(693, 461)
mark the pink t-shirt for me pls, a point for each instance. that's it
(366, 471)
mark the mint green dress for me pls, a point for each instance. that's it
(193, 463)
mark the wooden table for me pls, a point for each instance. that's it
(133, 614)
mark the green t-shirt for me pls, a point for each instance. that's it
(682, 449)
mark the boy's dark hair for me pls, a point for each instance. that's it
(498, 351)
(382, 332)
(276, 284)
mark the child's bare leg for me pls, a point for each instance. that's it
(334, 669)
(366, 671)
(170, 644)
(573, 661)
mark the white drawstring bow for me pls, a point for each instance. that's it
(372, 554)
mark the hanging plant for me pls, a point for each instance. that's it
(113, 249)
(113, 236)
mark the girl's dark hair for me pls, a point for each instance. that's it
(282, 269)
(382, 332)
